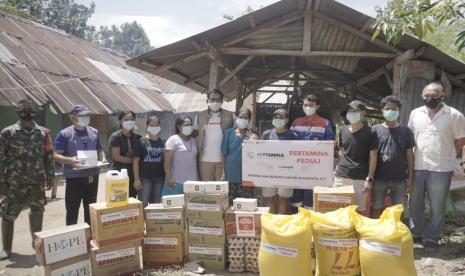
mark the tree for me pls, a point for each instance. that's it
(420, 18)
(129, 38)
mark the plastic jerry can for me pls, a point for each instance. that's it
(116, 188)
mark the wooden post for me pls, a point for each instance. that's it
(307, 37)
(254, 109)
(213, 83)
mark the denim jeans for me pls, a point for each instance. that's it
(396, 189)
(151, 190)
(434, 185)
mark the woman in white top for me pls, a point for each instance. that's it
(180, 157)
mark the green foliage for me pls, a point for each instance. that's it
(129, 38)
(419, 18)
(8, 7)
(444, 37)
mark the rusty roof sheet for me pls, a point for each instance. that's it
(49, 66)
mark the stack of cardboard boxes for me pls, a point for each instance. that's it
(243, 230)
(205, 208)
(164, 233)
(64, 250)
(117, 233)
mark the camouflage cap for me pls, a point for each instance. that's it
(27, 104)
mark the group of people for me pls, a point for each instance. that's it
(387, 158)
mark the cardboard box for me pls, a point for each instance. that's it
(62, 243)
(209, 255)
(118, 224)
(159, 219)
(120, 259)
(75, 266)
(206, 231)
(327, 199)
(173, 201)
(245, 204)
(206, 206)
(244, 224)
(216, 187)
(194, 187)
(163, 250)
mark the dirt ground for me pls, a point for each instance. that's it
(449, 260)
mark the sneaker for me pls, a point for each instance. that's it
(417, 240)
(431, 247)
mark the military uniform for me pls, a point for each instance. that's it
(26, 164)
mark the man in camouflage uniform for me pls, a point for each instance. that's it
(26, 165)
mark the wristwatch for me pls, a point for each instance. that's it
(369, 179)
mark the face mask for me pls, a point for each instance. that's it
(242, 123)
(83, 121)
(154, 130)
(129, 124)
(308, 110)
(279, 123)
(187, 130)
(27, 115)
(214, 106)
(431, 103)
(354, 117)
(390, 115)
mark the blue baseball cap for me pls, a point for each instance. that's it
(79, 110)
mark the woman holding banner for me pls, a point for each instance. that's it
(231, 148)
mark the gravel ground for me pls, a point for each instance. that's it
(448, 260)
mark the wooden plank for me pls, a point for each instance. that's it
(175, 64)
(460, 76)
(388, 79)
(357, 32)
(252, 21)
(236, 70)
(307, 36)
(272, 24)
(213, 82)
(309, 4)
(273, 52)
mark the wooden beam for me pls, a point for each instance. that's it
(175, 64)
(388, 79)
(317, 5)
(236, 70)
(307, 36)
(380, 71)
(460, 76)
(272, 24)
(357, 32)
(269, 97)
(213, 82)
(272, 52)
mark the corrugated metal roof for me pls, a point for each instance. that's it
(326, 36)
(192, 102)
(48, 65)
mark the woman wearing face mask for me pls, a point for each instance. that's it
(231, 147)
(122, 143)
(148, 164)
(180, 157)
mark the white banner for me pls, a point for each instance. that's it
(291, 164)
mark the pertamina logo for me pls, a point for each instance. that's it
(270, 155)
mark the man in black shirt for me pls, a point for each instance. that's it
(358, 155)
(395, 157)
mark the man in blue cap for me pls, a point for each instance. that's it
(81, 182)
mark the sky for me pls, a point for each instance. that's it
(167, 21)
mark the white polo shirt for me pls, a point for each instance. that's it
(435, 139)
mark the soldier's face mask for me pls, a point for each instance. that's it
(27, 114)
